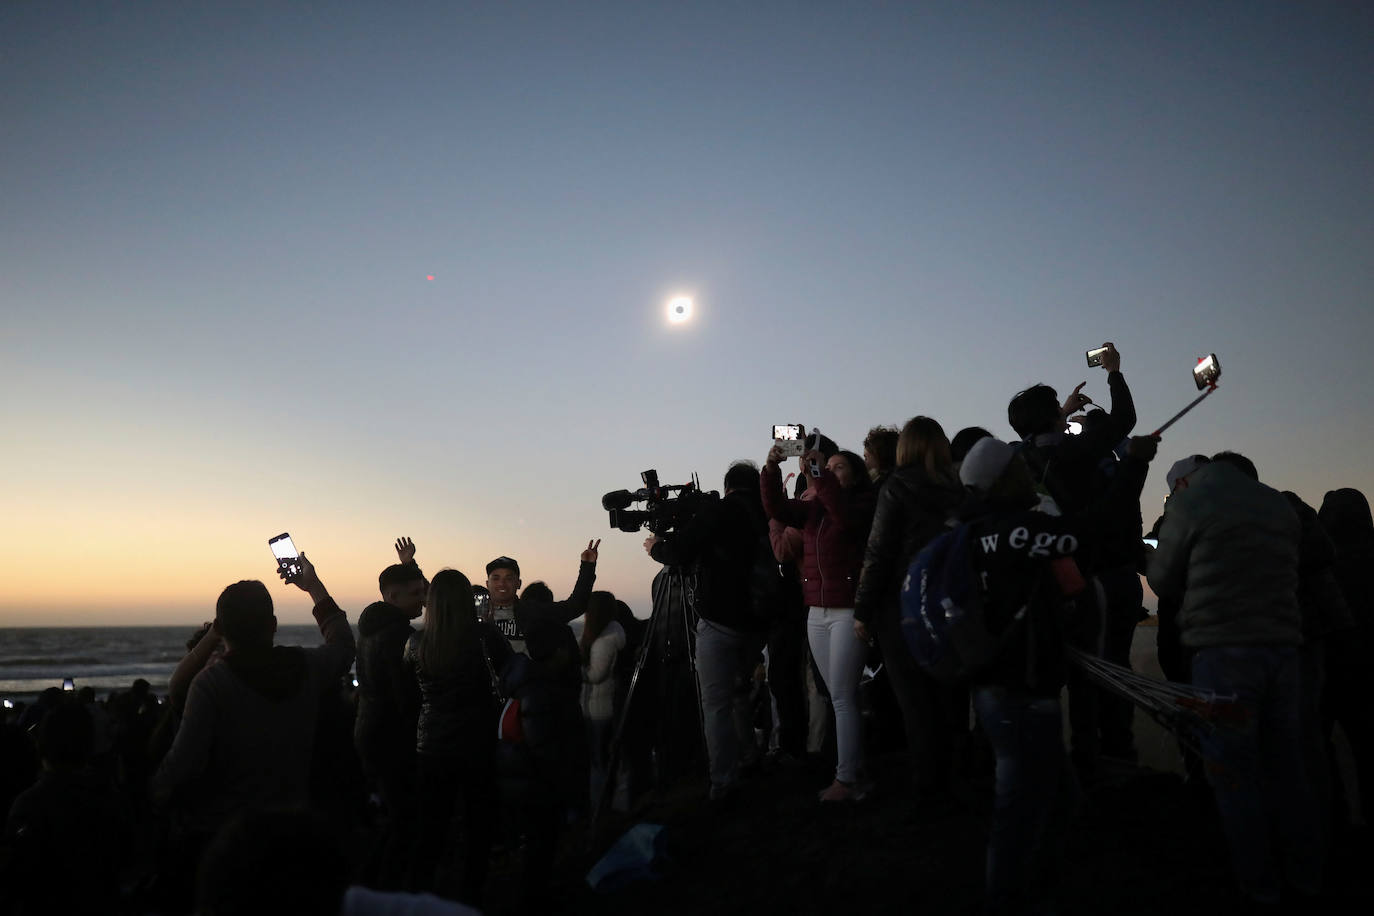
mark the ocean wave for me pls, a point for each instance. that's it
(48, 661)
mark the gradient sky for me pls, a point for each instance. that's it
(217, 221)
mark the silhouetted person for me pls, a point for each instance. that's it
(1065, 469)
(249, 728)
(880, 453)
(451, 659)
(1230, 546)
(292, 863)
(963, 441)
(384, 729)
(913, 508)
(1350, 686)
(555, 740)
(70, 819)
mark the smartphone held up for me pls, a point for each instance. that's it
(1095, 356)
(1205, 376)
(790, 438)
(1206, 372)
(288, 557)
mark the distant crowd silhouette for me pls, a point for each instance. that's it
(268, 780)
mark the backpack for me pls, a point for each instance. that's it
(942, 613)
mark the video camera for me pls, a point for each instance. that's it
(662, 511)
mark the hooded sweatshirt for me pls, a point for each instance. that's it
(384, 730)
(249, 727)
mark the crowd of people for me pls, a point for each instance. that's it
(479, 723)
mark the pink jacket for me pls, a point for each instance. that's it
(834, 532)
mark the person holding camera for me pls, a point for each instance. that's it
(248, 732)
(723, 538)
(834, 528)
(384, 727)
(1067, 470)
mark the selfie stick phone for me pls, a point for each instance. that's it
(1211, 387)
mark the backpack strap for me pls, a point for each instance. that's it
(491, 669)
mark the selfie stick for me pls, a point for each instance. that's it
(1212, 386)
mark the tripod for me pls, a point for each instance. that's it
(670, 639)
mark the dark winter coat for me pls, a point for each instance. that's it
(458, 705)
(722, 540)
(1066, 466)
(912, 510)
(1229, 545)
(549, 641)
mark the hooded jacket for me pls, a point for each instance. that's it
(384, 730)
(249, 727)
(834, 529)
(1229, 545)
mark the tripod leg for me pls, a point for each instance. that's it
(689, 619)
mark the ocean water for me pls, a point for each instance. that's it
(33, 659)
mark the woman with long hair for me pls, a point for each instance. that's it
(603, 638)
(453, 657)
(834, 529)
(914, 506)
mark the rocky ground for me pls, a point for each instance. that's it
(1144, 844)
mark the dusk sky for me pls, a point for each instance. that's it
(218, 222)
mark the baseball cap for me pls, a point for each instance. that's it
(503, 563)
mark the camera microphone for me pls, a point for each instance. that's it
(618, 499)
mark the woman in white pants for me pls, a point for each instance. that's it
(834, 527)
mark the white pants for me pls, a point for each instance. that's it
(840, 656)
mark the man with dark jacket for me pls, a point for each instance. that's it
(1063, 466)
(1230, 546)
(384, 730)
(1069, 474)
(723, 537)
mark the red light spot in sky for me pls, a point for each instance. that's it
(429, 277)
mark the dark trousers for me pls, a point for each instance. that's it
(934, 714)
(1175, 661)
(456, 801)
(1257, 770)
(787, 679)
(599, 734)
(1348, 700)
(396, 823)
(1099, 720)
(1037, 795)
